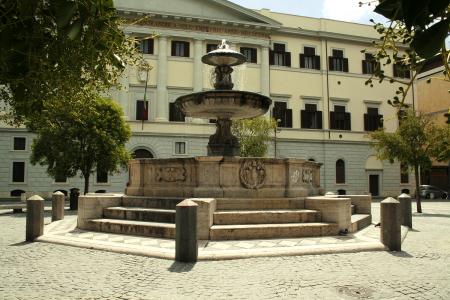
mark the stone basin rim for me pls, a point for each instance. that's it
(237, 103)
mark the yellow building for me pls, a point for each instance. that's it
(312, 69)
(433, 99)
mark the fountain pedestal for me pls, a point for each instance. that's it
(223, 142)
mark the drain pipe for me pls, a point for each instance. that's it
(328, 88)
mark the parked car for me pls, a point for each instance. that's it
(432, 192)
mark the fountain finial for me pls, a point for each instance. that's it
(224, 45)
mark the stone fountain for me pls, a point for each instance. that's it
(238, 197)
(223, 103)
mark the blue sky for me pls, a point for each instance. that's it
(344, 10)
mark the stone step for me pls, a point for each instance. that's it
(151, 202)
(140, 214)
(265, 231)
(259, 204)
(266, 216)
(153, 229)
(360, 221)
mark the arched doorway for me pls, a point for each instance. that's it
(142, 153)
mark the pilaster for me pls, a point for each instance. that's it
(162, 104)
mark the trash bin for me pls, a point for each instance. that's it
(74, 193)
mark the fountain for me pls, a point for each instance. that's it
(237, 197)
(223, 103)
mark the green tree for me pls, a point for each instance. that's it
(254, 135)
(81, 134)
(417, 31)
(413, 144)
(54, 49)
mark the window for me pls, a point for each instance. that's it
(404, 176)
(339, 119)
(20, 143)
(102, 176)
(16, 193)
(142, 153)
(250, 54)
(401, 71)
(18, 171)
(175, 113)
(141, 110)
(60, 178)
(337, 62)
(310, 117)
(372, 120)
(309, 59)
(180, 147)
(211, 47)
(340, 171)
(180, 48)
(369, 65)
(278, 56)
(282, 114)
(146, 46)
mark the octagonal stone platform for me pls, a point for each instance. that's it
(224, 177)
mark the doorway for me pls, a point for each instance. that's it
(374, 185)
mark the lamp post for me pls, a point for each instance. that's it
(143, 70)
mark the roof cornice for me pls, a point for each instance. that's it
(249, 12)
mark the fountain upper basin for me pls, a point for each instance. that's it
(224, 104)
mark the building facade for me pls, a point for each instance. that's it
(313, 70)
(433, 99)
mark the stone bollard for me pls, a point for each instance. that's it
(35, 218)
(58, 199)
(391, 235)
(186, 243)
(405, 210)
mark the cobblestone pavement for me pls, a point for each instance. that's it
(48, 271)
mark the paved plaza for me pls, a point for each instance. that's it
(50, 271)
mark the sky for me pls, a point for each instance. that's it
(344, 10)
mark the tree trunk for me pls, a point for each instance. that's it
(416, 175)
(86, 184)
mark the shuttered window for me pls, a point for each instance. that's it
(180, 48)
(372, 119)
(278, 56)
(309, 59)
(311, 118)
(250, 54)
(146, 46)
(282, 114)
(340, 119)
(142, 110)
(337, 62)
(175, 113)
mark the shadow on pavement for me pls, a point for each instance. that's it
(402, 254)
(178, 267)
(21, 244)
(432, 215)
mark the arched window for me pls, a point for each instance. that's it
(142, 153)
(342, 192)
(311, 159)
(340, 171)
